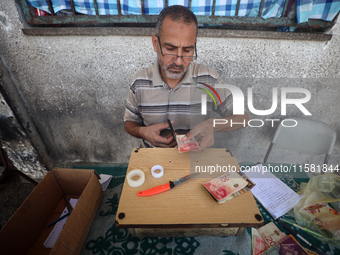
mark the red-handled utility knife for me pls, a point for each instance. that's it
(165, 187)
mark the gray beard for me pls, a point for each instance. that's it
(169, 74)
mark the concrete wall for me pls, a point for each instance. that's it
(74, 86)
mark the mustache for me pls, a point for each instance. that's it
(172, 65)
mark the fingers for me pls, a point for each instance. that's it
(153, 136)
(197, 130)
(205, 135)
(164, 142)
(163, 125)
(188, 136)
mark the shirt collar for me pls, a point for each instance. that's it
(156, 76)
(187, 79)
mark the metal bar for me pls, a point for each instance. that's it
(26, 10)
(119, 7)
(93, 19)
(288, 5)
(142, 6)
(96, 6)
(213, 8)
(268, 152)
(237, 7)
(326, 160)
(261, 8)
(50, 6)
(148, 31)
(166, 3)
(189, 6)
(31, 10)
(147, 19)
(72, 7)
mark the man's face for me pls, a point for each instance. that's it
(176, 38)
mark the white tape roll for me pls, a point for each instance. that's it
(157, 171)
(135, 173)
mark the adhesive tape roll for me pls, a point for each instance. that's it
(157, 171)
(135, 173)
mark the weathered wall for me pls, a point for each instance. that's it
(16, 144)
(74, 86)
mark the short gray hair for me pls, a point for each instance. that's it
(177, 13)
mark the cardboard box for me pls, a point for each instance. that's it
(26, 230)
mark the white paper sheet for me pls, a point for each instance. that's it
(274, 195)
(105, 180)
(58, 227)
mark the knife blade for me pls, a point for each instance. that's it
(165, 187)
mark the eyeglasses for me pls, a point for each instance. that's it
(173, 57)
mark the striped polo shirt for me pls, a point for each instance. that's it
(151, 101)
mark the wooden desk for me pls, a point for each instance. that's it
(186, 210)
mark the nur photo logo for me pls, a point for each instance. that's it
(239, 103)
(204, 97)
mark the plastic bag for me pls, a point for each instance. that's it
(318, 209)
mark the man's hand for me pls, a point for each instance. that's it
(205, 133)
(205, 130)
(151, 133)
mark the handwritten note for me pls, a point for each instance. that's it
(52, 238)
(274, 195)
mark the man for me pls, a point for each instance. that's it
(168, 90)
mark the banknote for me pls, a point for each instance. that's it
(310, 252)
(287, 246)
(271, 234)
(258, 244)
(324, 218)
(185, 144)
(223, 187)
